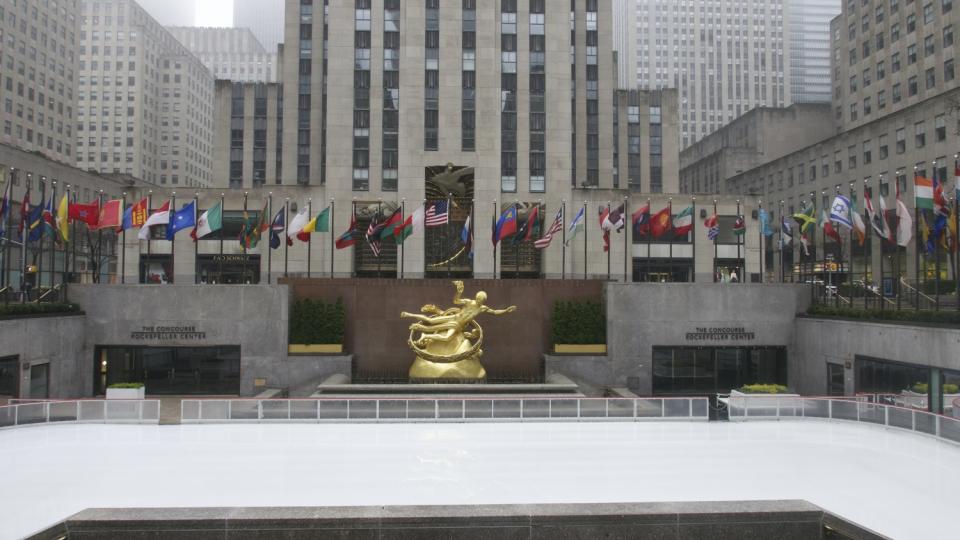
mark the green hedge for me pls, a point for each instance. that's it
(761, 388)
(579, 323)
(948, 388)
(126, 385)
(14, 310)
(312, 322)
(949, 316)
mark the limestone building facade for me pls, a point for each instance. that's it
(229, 53)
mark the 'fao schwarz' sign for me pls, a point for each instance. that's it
(168, 332)
(720, 334)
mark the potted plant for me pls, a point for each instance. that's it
(316, 327)
(762, 396)
(129, 390)
(579, 327)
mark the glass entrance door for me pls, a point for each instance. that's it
(9, 377)
(171, 370)
(835, 385)
(39, 374)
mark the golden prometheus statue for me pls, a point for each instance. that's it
(448, 346)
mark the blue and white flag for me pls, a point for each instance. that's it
(765, 227)
(786, 231)
(575, 226)
(840, 211)
(184, 218)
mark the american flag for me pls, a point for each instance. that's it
(437, 214)
(373, 235)
(557, 226)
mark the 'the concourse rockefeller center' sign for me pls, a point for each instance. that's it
(720, 333)
(167, 333)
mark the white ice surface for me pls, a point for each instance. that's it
(895, 482)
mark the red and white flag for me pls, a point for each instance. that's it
(544, 241)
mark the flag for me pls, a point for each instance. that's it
(641, 220)
(877, 221)
(388, 226)
(111, 215)
(135, 215)
(63, 218)
(805, 244)
(683, 222)
(438, 214)
(828, 229)
(250, 232)
(660, 222)
(50, 222)
(277, 226)
(466, 236)
(35, 223)
(712, 225)
(888, 232)
(739, 226)
(904, 222)
(348, 238)
(953, 243)
(840, 211)
(575, 226)
(182, 219)
(544, 241)
(298, 224)
(923, 193)
(506, 225)
(159, 217)
(414, 223)
(24, 212)
(373, 234)
(925, 233)
(604, 231)
(786, 231)
(529, 229)
(88, 213)
(319, 223)
(5, 202)
(859, 227)
(210, 222)
(805, 218)
(614, 220)
(941, 206)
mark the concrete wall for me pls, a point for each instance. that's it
(255, 317)
(822, 341)
(56, 341)
(641, 316)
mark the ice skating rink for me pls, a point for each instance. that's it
(895, 482)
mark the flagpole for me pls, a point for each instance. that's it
(673, 235)
(517, 240)
(646, 264)
(836, 294)
(310, 238)
(585, 238)
(73, 266)
(196, 241)
(760, 237)
(220, 277)
(286, 236)
(495, 239)
(868, 241)
(916, 235)
(897, 264)
(850, 273)
(609, 246)
(780, 237)
(332, 222)
(714, 265)
(693, 240)
(43, 189)
(53, 244)
(379, 216)
(270, 236)
(563, 237)
(23, 242)
(173, 240)
(740, 239)
(403, 213)
(936, 247)
(5, 278)
(446, 230)
(626, 236)
(66, 259)
(956, 226)
(243, 244)
(123, 238)
(146, 270)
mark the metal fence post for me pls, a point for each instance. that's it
(16, 415)
(78, 412)
(830, 409)
(289, 406)
(913, 420)
(104, 411)
(376, 405)
(578, 409)
(549, 408)
(318, 411)
(140, 411)
(778, 407)
(690, 408)
(259, 409)
(634, 409)
(229, 409)
(521, 409)
(886, 416)
(606, 408)
(46, 411)
(937, 425)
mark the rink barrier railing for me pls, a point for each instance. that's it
(472, 409)
(746, 408)
(82, 411)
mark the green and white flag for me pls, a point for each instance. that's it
(575, 226)
(210, 221)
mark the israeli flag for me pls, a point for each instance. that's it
(840, 211)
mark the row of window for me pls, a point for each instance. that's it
(896, 91)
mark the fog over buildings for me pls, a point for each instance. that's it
(171, 12)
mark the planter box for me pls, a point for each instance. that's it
(741, 404)
(316, 349)
(914, 400)
(126, 393)
(595, 349)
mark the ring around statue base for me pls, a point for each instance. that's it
(467, 369)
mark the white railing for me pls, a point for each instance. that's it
(382, 410)
(855, 410)
(100, 411)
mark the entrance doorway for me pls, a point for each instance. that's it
(9, 377)
(39, 376)
(835, 386)
(170, 370)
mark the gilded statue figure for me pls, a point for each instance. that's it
(448, 342)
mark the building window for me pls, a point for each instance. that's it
(882, 146)
(538, 92)
(901, 140)
(912, 87)
(361, 97)
(920, 135)
(508, 96)
(391, 95)
(431, 104)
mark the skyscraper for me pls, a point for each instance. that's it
(171, 12)
(229, 53)
(809, 27)
(725, 58)
(263, 17)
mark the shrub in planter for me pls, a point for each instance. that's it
(761, 388)
(126, 390)
(315, 322)
(906, 315)
(123, 385)
(923, 388)
(13, 310)
(578, 323)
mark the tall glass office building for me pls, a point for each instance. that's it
(809, 28)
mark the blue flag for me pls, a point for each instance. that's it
(184, 218)
(765, 227)
(35, 223)
(466, 236)
(277, 227)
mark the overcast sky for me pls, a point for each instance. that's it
(214, 13)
